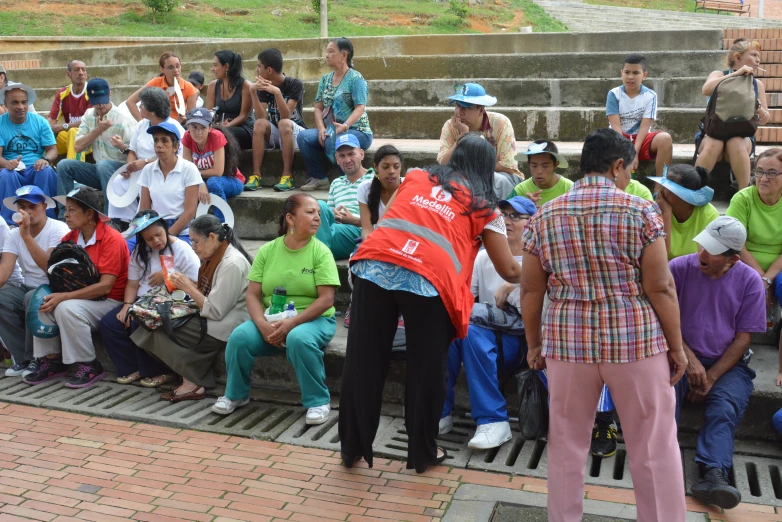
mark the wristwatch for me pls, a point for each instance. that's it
(767, 281)
(65, 126)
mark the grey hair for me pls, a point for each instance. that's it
(156, 101)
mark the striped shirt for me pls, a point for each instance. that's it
(590, 242)
(343, 192)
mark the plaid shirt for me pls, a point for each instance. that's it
(590, 242)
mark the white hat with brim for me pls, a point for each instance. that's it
(31, 96)
(533, 149)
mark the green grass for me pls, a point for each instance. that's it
(294, 18)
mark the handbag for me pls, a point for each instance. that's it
(157, 309)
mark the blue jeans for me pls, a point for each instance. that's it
(11, 180)
(96, 176)
(311, 150)
(724, 406)
(224, 187)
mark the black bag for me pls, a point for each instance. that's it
(533, 409)
(70, 268)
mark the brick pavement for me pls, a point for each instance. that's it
(67, 467)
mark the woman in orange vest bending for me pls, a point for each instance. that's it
(418, 262)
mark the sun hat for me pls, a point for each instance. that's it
(29, 193)
(723, 234)
(545, 147)
(31, 96)
(471, 94)
(40, 324)
(699, 198)
(140, 223)
(87, 196)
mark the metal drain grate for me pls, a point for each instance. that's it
(324, 436)
(392, 442)
(256, 420)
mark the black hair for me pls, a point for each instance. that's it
(271, 57)
(89, 199)
(730, 253)
(602, 148)
(234, 63)
(636, 59)
(174, 139)
(373, 198)
(156, 101)
(550, 144)
(343, 44)
(689, 177)
(289, 207)
(209, 224)
(232, 152)
(141, 250)
(469, 173)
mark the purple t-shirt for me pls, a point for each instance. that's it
(713, 311)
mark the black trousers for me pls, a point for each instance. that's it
(373, 322)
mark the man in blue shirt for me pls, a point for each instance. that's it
(27, 147)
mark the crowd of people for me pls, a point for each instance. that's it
(633, 303)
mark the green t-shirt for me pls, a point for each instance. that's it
(763, 224)
(300, 272)
(527, 186)
(636, 188)
(683, 233)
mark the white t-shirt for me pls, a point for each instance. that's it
(16, 276)
(185, 262)
(485, 279)
(142, 143)
(168, 195)
(631, 110)
(363, 197)
(50, 236)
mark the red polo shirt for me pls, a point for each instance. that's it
(110, 255)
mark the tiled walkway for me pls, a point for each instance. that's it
(67, 467)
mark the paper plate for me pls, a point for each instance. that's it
(220, 203)
(124, 200)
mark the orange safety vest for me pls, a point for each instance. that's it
(426, 231)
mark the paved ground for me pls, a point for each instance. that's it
(67, 467)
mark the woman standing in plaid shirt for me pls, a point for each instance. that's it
(613, 317)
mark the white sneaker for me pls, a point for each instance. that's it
(489, 436)
(224, 405)
(318, 414)
(315, 184)
(446, 425)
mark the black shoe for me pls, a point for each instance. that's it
(47, 369)
(86, 374)
(348, 461)
(441, 458)
(714, 489)
(604, 440)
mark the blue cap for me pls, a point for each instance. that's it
(199, 115)
(98, 91)
(348, 139)
(471, 94)
(520, 204)
(38, 324)
(165, 127)
(30, 193)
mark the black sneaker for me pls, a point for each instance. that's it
(604, 440)
(715, 489)
(86, 375)
(47, 369)
(32, 367)
(17, 369)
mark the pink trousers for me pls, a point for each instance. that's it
(646, 404)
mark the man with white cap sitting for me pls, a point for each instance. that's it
(27, 147)
(722, 301)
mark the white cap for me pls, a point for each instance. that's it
(722, 234)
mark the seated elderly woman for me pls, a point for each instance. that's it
(684, 199)
(78, 313)
(145, 272)
(302, 337)
(219, 294)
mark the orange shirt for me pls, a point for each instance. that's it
(187, 90)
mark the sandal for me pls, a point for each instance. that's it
(129, 379)
(154, 382)
(195, 395)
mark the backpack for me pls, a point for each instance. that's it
(731, 109)
(70, 268)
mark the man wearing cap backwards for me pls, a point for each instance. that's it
(26, 247)
(722, 301)
(340, 223)
(27, 147)
(197, 80)
(69, 105)
(99, 125)
(470, 115)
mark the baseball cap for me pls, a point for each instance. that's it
(196, 78)
(520, 204)
(98, 91)
(545, 147)
(29, 193)
(722, 234)
(200, 116)
(347, 139)
(471, 94)
(165, 127)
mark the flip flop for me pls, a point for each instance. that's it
(149, 382)
(189, 396)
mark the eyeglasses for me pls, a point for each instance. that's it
(770, 174)
(514, 217)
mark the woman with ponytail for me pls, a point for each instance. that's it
(374, 194)
(684, 199)
(219, 295)
(231, 97)
(305, 268)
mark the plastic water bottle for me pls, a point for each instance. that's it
(279, 299)
(17, 217)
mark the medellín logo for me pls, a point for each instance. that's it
(440, 194)
(437, 202)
